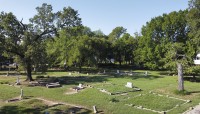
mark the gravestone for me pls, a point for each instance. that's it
(18, 82)
(104, 71)
(95, 110)
(146, 73)
(22, 94)
(7, 74)
(129, 85)
(80, 86)
(70, 73)
(117, 71)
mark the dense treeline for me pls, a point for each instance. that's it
(59, 39)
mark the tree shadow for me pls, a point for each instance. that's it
(18, 110)
(40, 110)
(192, 79)
(149, 77)
(190, 92)
(73, 80)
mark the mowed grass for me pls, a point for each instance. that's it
(108, 104)
(114, 88)
(155, 102)
(35, 106)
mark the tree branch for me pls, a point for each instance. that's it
(44, 33)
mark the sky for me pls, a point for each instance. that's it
(102, 15)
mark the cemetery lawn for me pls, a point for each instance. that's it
(82, 102)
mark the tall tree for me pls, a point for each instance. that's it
(194, 22)
(21, 39)
(116, 33)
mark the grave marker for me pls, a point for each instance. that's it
(117, 71)
(18, 82)
(95, 110)
(146, 73)
(22, 94)
(129, 85)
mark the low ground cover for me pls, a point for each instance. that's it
(155, 81)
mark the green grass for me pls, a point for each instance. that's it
(8, 92)
(114, 88)
(155, 102)
(110, 104)
(35, 106)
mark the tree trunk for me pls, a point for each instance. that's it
(29, 70)
(180, 77)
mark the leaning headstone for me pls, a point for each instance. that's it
(95, 110)
(129, 85)
(22, 94)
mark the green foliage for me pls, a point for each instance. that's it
(27, 41)
(193, 22)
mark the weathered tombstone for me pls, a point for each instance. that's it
(180, 77)
(80, 86)
(87, 73)
(129, 85)
(146, 73)
(117, 71)
(18, 82)
(104, 71)
(7, 73)
(95, 110)
(22, 94)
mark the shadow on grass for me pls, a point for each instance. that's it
(139, 75)
(149, 77)
(194, 92)
(74, 80)
(40, 110)
(192, 79)
(18, 110)
(69, 80)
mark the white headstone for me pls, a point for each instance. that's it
(104, 71)
(95, 110)
(70, 73)
(87, 73)
(129, 85)
(22, 94)
(146, 73)
(80, 86)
